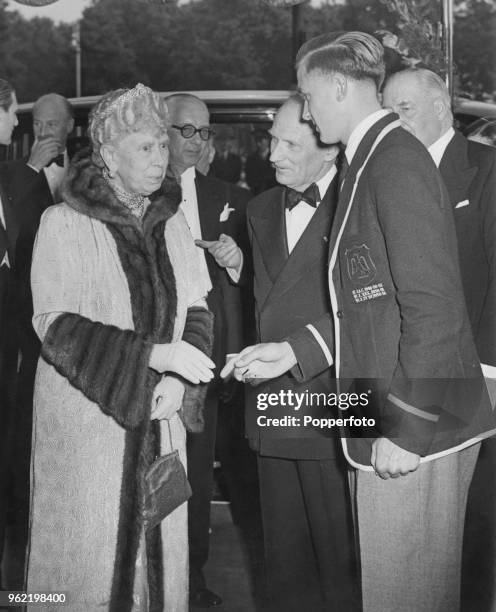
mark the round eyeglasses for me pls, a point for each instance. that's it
(188, 131)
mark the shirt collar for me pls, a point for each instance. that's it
(189, 174)
(360, 130)
(438, 148)
(325, 181)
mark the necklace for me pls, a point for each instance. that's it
(134, 202)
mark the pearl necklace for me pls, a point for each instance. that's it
(134, 202)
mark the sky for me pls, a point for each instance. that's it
(62, 10)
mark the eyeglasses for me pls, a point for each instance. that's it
(188, 131)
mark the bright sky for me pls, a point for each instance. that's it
(62, 10)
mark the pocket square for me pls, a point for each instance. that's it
(226, 211)
(462, 204)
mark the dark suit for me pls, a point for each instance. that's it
(224, 300)
(227, 168)
(29, 196)
(303, 489)
(469, 172)
(8, 361)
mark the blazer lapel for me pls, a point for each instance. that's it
(349, 182)
(456, 170)
(270, 233)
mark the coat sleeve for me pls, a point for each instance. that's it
(417, 224)
(108, 364)
(313, 346)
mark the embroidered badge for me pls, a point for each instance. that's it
(226, 211)
(360, 265)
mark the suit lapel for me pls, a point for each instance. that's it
(311, 247)
(270, 234)
(209, 208)
(356, 163)
(456, 170)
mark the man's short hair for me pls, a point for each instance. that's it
(69, 111)
(357, 55)
(6, 92)
(429, 82)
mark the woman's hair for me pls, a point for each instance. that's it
(6, 91)
(122, 112)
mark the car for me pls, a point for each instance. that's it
(235, 115)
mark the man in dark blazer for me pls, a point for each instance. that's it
(8, 356)
(401, 334)
(32, 184)
(216, 212)
(303, 488)
(422, 101)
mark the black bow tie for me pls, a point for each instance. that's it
(59, 160)
(311, 196)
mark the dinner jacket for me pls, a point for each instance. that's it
(469, 172)
(290, 291)
(224, 299)
(400, 321)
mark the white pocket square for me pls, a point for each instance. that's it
(462, 204)
(226, 211)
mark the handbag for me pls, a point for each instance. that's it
(166, 487)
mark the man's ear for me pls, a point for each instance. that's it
(440, 108)
(341, 85)
(70, 125)
(331, 153)
(108, 154)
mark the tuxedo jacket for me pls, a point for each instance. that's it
(290, 291)
(224, 299)
(401, 327)
(469, 172)
(29, 195)
(8, 239)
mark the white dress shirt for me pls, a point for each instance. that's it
(55, 175)
(189, 207)
(360, 130)
(299, 217)
(438, 148)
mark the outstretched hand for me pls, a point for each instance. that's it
(225, 251)
(268, 360)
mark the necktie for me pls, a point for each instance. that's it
(343, 171)
(59, 160)
(311, 196)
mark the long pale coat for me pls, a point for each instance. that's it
(78, 450)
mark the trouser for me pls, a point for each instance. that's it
(410, 533)
(308, 537)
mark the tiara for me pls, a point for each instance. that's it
(125, 97)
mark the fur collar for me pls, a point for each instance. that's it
(86, 191)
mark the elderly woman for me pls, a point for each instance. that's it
(117, 303)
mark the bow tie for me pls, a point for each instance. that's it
(311, 196)
(59, 160)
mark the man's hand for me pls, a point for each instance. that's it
(43, 151)
(390, 460)
(225, 251)
(268, 360)
(167, 398)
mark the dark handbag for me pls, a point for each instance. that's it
(166, 487)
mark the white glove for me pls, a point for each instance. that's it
(183, 359)
(167, 398)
